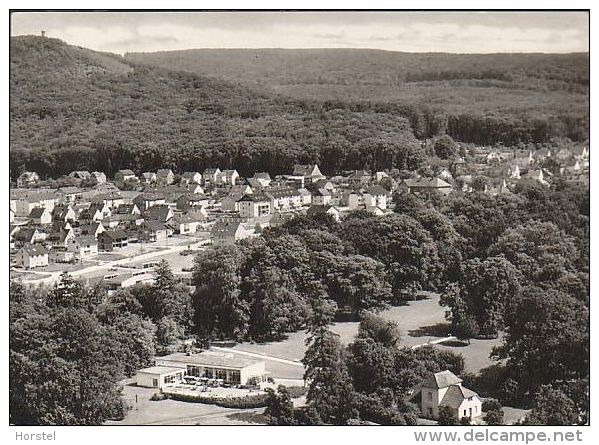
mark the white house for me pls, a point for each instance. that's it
(32, 255)
(445, 389)
(253, 205)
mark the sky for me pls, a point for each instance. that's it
(455, 32)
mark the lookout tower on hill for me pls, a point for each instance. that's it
(43, 33)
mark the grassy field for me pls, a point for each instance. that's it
(170, 412)
(419, 321)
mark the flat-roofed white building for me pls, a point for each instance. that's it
(231, 368)
(159, 376)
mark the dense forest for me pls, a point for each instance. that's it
(72, 108)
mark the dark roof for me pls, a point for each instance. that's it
(114, 234)
(158, 212)
(226, 226)
(255, 197)
(376, 190)
(281, 192)
(125, 172)
(261, 175)
(35, 249)
(37, 212)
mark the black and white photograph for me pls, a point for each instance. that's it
(299, 218)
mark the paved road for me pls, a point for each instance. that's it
(54, 276)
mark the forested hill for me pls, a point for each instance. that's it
(551, 88)
(73, 108)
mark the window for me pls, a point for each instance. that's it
(155, 383)
(430, 396)
(464, 413)
(430, 411)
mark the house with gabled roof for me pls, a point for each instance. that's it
(165, 176)
(148, 178)
(210, 176)
(310, 172)
(326, 210)
(98, 177)
(425, 186)
(376, 196)
(112, 239)
(83, 246)
(191, 178)
(40, 215)
(145, 200)
(63, 213)
(160, 213)
(445, 389)
(228, 177)
(261, 178)
(227, 231)
(32, 255)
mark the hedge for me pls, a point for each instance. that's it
(253, 401)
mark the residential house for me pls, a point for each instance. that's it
(112, 239)
(23, 204)
(29, 235)
(262, 179)
(351, 199)
(186, 224)
(71, 195)
(83, 246)
(326, 210)
(125, 175)
(94, 229)
(146, 200)
(254, 205)
(321, 197)
(32, 255)
(191, 200)
(160, 213)
(359, 178)
(152, 231)
(376, 196)
(165, 176)
(306, 196)
(97, 211)
(310, 172)
(63, 213)
(98, 177)
(210, 176)
(111, 199)
(445, 389)
(425, 186)
(148, 178)
(191, 178)
(82, 175)
(228, 177)
(40, 215)
(284, 198)
(227, 231)
(127, 209)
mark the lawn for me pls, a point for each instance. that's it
(419, 321)
(170, 412)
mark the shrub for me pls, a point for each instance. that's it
(157, 396)
(297, 391)
(491, 405)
